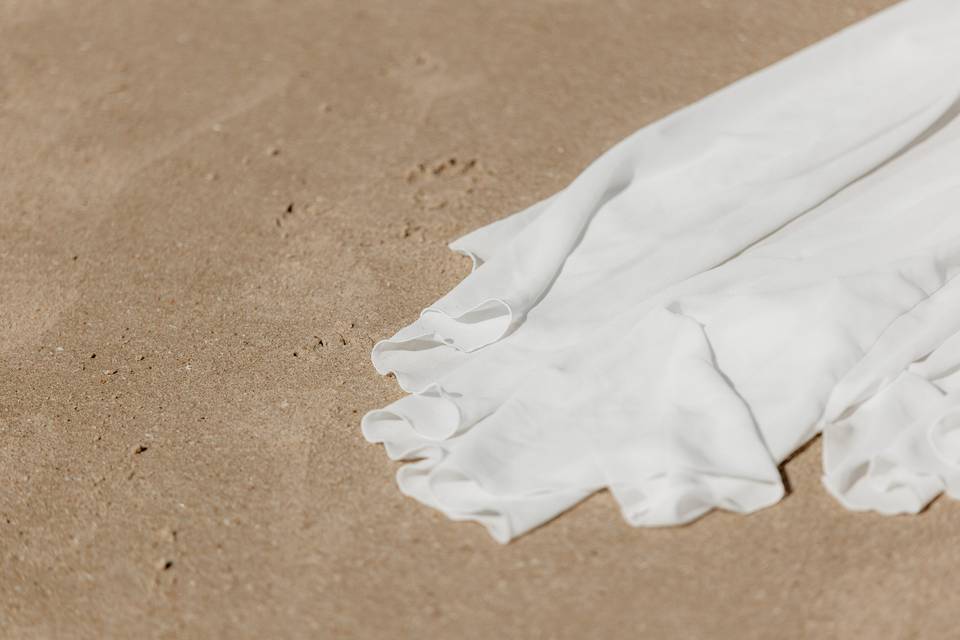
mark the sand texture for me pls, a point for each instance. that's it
(208, 213)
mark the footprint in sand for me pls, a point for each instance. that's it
(442, 183)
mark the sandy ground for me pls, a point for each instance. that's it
(208, 213)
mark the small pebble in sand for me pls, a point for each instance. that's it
(140, 449)
(273, 151)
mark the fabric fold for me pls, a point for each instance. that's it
(898, 451)
(665, 455)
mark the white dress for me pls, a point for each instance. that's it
(705, 298)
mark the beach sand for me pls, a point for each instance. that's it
(209, 213)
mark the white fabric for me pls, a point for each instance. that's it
(702, 300)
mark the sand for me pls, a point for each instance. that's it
(209, 213)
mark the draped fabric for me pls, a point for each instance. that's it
(771, 262)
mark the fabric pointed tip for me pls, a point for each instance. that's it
(431, 413)
(420, 482)
(909, 467)
(676, 499)
(882, 486)
(437, 482)
(474, 329)
(475, 260)
(407, 360)
(413, 423)
(438, 340)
